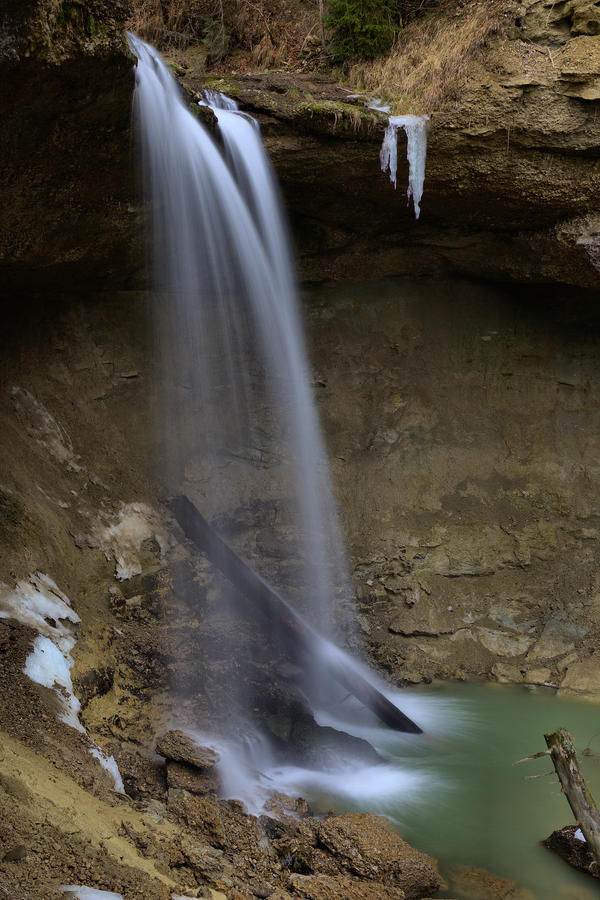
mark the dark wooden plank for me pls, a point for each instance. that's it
(301, 641)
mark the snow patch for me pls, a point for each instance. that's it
(110, 764)
(39, 603)
(417, 129)
(87, 893)
(378, 105)
(50, 666)
(122, 540)
(44, 428)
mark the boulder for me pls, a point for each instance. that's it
(583, 676)
(180, 747)
(367, 846)
(340, 887)
(191, 779)
(573, 850)
(557, 638)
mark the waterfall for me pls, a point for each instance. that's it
(416, 129)
(239, 418)
(230, 328)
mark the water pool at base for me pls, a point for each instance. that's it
(469, 805)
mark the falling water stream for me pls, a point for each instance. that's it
(240, 407)
(239, 400)
(230, 332)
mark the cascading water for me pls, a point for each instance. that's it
(240, 423)
(231, 334)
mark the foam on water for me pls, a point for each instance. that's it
(249, 771)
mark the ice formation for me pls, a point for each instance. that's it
(81, 892)
(417, 129)
(44, 428)
(50, 666)
(122, 540)
(110, 764)
(378, 105)
(39, 603)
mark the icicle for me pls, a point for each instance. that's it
(416, 128)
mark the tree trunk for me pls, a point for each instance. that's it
(301, 641)
(562, 752)
(322, 23)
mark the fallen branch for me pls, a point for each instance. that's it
(562, 752)
(300, 639)
(534, 756)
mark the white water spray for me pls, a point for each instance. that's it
(417, 129)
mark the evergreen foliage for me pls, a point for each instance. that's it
(362, 29)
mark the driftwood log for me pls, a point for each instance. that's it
(301, 641)
(562, 752)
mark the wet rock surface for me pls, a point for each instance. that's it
(574, 851)
(477, 884)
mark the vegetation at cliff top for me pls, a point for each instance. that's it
(411, 53)
(425, 68)
(362, 29)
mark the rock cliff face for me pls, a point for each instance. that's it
(65, 172)
(512, 183)
(466, 468)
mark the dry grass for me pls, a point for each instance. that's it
(426, 68)
(167, 21)
(266, 33)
